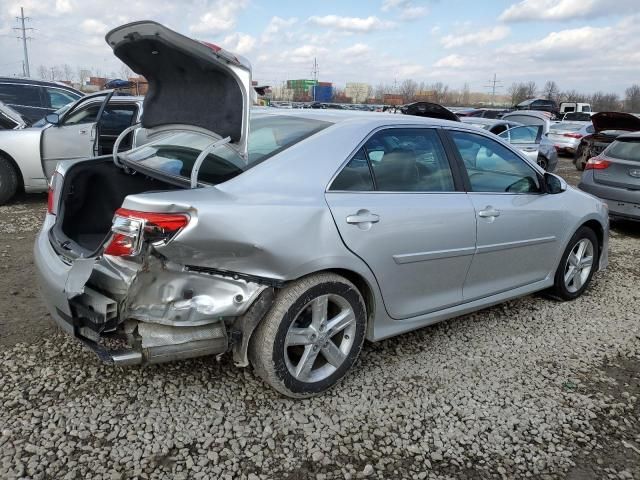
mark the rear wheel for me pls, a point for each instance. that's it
(311, 336)
(543, 162)
(9, 180)
(577, 266)
(580, 161)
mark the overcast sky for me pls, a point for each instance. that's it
(586, 45)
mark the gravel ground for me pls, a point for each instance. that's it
(529, 389)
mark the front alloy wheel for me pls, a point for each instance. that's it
(311, 336)
(577, 266)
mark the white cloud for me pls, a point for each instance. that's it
(479, 37)
(351, 24)
(220, 18)
(406, 9)
(92, 26)
(240, 43)
(527, 10)
(356, 50)
(452, 61)
(277, 26)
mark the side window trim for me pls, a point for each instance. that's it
(460, 162)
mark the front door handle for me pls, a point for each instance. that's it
(363, 216)
(489, 212)
(82, 132)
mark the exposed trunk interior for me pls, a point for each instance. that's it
(92, 192)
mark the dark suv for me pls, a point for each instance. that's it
(34, 99)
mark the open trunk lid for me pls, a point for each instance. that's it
(615, 121)
(190, 82)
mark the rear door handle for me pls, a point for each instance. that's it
(363, 217)
(489, 212)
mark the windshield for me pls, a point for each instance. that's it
(176, 153)
(625, 149)
(42, 122)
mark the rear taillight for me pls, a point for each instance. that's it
(53, 197)
(597, 163)
(131, 228)
(573, 135)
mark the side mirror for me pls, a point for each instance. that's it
(554, 183)
(52, 118)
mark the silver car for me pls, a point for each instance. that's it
(86, 128)
(614, 176)
(566, 136)
(290, 245)
(533, 141)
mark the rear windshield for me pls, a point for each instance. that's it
(176, 153)
(566, 127)
(625, 149)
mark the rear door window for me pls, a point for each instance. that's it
(117, 118)
(355, 176)
(59, 98)
(21, 95)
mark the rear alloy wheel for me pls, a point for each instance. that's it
(311, 336)
(542, 162)
(8, 180)
(579, 263)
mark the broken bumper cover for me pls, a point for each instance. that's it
(160, 312)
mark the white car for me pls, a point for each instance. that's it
(86, 128)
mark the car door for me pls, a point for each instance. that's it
(116, 117)
(74, 136)
(399, 206)
(525, 138)
(519, 226)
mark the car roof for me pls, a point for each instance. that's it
(33, 81)
(352, 116)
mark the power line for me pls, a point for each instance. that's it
(24, 38)
(494, 85)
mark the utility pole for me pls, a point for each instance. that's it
(314, 75)
(24, 38)
(494, 85)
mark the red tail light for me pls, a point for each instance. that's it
(52, 197)
(573, 135)
(130, 228)
(597, 163)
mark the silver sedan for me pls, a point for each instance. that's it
(291, 245)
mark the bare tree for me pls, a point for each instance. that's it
(466, 95)
(43, 72)
(605, 102)
(632, 98)
(518, 92)
(125, 72)
(67, 72)
(550, 91)
(440, 92)
(378, 92)
(574, 96)
(408, 89)
(531, 89)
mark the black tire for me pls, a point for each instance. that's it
(579, 160)
(268, 352)
(543, 162)
(9, 180)
(560, 290)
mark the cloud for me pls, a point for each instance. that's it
(479, 37)
(407, 9)
(351, 24)
(240, 43)
(276, 26)
(356, 50)
(92, 26)
(220, 18)
(528, 10)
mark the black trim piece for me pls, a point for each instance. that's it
(271, 282)
(460, 177)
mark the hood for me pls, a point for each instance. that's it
(431, 110)
(615, 121)
(190, 82)
(10, 119)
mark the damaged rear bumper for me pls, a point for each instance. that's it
(151, 312)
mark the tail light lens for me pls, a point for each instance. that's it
(130, 228)
(53, 196)
(573, 135)
(597, 163)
